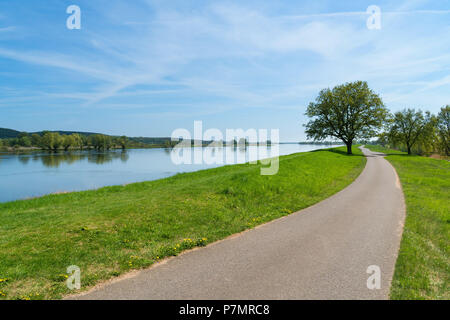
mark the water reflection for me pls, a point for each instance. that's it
(56, 159)
(24, 160)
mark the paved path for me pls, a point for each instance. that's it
(321, 252)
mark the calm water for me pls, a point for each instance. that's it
(31, 175)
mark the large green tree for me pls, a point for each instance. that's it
(409, 126)
(347, 112)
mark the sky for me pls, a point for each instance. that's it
(148, 67)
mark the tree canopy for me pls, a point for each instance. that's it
(347, 112)
(409, 125)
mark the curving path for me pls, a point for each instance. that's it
(321, 252)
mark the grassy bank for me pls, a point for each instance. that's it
(423, 265)
(109, 231)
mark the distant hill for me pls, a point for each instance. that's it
(8, 133)
(68, 132)
(147, 140)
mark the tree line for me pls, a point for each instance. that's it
(353, 112)
(55, 141)
(415, 131)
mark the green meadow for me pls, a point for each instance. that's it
(423, 265)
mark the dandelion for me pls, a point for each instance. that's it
(64, 276)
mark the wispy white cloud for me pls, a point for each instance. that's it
(62, 61)
(7, 29)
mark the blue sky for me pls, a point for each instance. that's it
(145, 68)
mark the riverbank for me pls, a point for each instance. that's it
(113, 230)
(423, 266)
(13, 150)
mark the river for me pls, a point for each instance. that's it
(35, 174)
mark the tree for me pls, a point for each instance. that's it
(96, 141)
(25, 141)
(101, 141)
(123, 141)
(68, 141)
(348, 112)
(51, 140)
(77, 141)
(47, 140)
(408, 126)
(85, 142)
(443, 130)
(428, 141)
(11, 142)
(36, 140)
(167, 144)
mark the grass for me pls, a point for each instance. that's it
(112, 230)
(423, 266)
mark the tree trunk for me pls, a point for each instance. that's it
(409, 150)
(349, 148)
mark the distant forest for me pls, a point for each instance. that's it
(65, 140)
(74, 140)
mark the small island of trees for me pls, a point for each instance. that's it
(55, 141)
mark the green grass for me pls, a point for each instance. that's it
(423, 266)
(110, 231)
